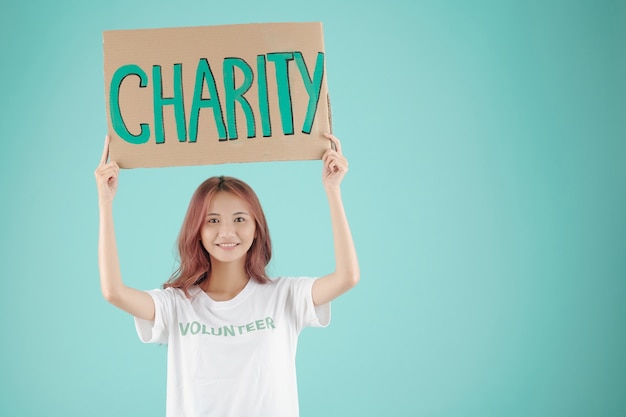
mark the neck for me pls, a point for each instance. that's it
(226, 280)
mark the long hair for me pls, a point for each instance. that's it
(195, 263)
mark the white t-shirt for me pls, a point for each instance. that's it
(233, 358)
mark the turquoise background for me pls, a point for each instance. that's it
(486, 193)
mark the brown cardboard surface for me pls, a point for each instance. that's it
(232, 58)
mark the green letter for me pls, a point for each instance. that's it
(281, 60)
(229, 330)
(270, 323)
(313, 87)
(233, 94)
(183, 329)
(114, 104)
(160, 101)
(204, 73)
(264, 105)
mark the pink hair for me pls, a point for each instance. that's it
(195, 263)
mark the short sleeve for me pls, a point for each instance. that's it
(309, 315)
(156, 331)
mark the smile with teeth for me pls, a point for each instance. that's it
(227, 245)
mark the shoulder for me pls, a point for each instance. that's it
(291, 283)
(172, 294)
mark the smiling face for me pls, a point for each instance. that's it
(229, 228)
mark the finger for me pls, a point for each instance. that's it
(109, 166)
(336, 163)
(338, 167)
(331, 155)
(335, 141)
(108, 171)
(105, 152)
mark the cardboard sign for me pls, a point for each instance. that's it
(216, 94)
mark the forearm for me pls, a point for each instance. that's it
(135, 302)
(108, 260)
(346, 262)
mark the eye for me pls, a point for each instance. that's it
(213, 220)
(239, 219)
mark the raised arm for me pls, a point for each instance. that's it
(346, 274)
(135, 302)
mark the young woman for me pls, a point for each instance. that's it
(231, 330)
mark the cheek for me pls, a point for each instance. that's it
(205, 236)
(247, 234)
(252, 232)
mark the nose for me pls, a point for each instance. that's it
(226, 229)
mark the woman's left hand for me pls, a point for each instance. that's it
(335, 164)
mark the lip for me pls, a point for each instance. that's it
(227, 245)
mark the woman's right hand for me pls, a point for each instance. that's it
(107, 174)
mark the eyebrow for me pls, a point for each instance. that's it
(234, 214)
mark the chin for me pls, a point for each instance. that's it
(228, 259)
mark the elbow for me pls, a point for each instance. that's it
(110, 295)
(356, 277)
(352, 278)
